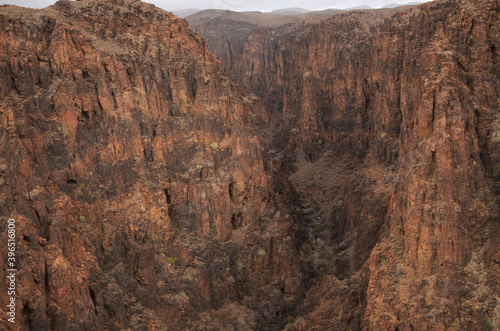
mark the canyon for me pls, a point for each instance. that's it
(386, 121)
(330, 170)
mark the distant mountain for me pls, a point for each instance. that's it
(233, 23)
(319, 14)
(359, 7)
(291, 11)
(394, 5)
(183, 13)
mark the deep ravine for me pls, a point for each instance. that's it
(328, 171)
(386, 122)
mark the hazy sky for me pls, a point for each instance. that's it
(262, 5)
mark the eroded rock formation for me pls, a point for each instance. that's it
(354, 186)
(135, 168)
(389, 121)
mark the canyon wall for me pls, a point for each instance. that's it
(340, 174)
(387, 123)
(135, 168)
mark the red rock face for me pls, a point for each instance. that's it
(388, 121)
(445, 207)
(135, 168)
(356, 188)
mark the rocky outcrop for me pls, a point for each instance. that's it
(444, 213)
(354, 187)
(136, 170)
(387, 123)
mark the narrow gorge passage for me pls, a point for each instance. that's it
(385, 122)
(333, 170)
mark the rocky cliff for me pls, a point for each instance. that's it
(387, 123)
(136, 170)
(348, 181)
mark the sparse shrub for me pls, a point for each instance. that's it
(62, 131)
(171, 260)
(292, 325)
(495, 137)
(239, 265)
(307, 250)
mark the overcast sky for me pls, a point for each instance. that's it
(262, 5)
